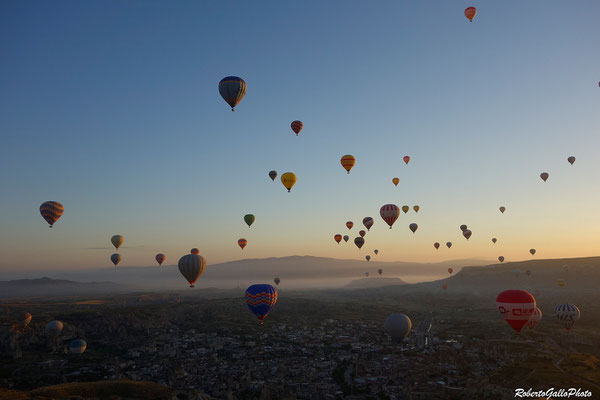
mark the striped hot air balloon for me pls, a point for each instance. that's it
(567, 314)
(297, 127)
(368, 222)
(191, 267)
(232, 90)
(260, 299)
(242, 243)
(51, 211)
(389, 213)
(337, 238)
(348, 162)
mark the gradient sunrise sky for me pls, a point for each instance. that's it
(112, 108)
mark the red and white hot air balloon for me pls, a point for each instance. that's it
(567, 314)
(516, 306)
(389, 213)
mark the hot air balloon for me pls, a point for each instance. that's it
(346, 238)
(567, 314)
(544, 176)
(160, 258)
(23, 319)
(571, 160)
(51, 211)
(348, 162)
(448, 244)
(406, 159)
(516, 306)
(191, 267)
(436, 245)
(398, 326)
(405, 209)
(389, 213)
(368, 258)
(117, 241)
(502, 209)
(416, 208)
(450, 270)
(494, 240)
(297, 126)
(289, 180)
(560, 282)
(362, 233)
(273, 175)
(380, 271)
(358, 241)
(376, 251)
(395, 181)
(467, 234)
(349, 224)
(337, 238)
(463, 228)
(77, 346)
(53, 328)
(501, 259)
(367, 274)
(277, 280)
(413, 227)
(470, 13)
(444, 286)
(242, 243)
(535, 318)
(115, 258)
(249, 219)
(261, 299)
(194, 251)
(532, 251)
(232, 90)
(368, 222)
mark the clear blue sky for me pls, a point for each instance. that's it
(112, 108)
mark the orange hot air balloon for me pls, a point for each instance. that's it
(406, 159)
(450, 270)
(362, 233)
(470, 13)
(436, 245)
(297, 127)
(395, 181)
(194, 251)
(349, 224)
(348, 162)
(338, 238)
(242, 243)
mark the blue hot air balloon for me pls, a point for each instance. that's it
(261, 299)
(233, 90)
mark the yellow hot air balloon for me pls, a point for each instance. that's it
(396, 181)
(117, 240)
(405, 209)
(348, 162)
(289, 180)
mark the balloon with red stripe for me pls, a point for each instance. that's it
(516, 306)
(389, 213)
(260, 299)
(51, 211)
(297, 127)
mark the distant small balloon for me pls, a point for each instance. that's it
(194, 251)
(358, 241)
(501, 259)
(277, 280)
(389, 213)
(348, 162)
(571, 160)
(115, 258)
(288, 180)
(467, 234)
(349, 224)
(494, 240)
(273, 175)
(544, 176)
(395, 181)
(368, 258)
(413, 227)
(416, 208)
(535, 318)
(53, 328)
(398, 326)
(470, 13)
(376, 251)
(249, 219)
(444, 286)
(502, 209)
(362, 233)
(51, 211)
(436, 245)
(191, 266)
(448, 244)
(532, 251)
(297, 127)
(567, 314)
(367, 274)
(117, 241)
(450, 270)
(406, 159)
(405, 209)
(337, 238)
(368, 222)
(528, 273)
(380, 271)
(77, 346)
(160, 258)
(346, 238)
(242, 243)
(463, 228)
(232, 89)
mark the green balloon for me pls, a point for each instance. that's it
(249, 218)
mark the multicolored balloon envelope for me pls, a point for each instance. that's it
(349, 224)
(191, 266)
(117, 241)
(260, 299)
(398, 326)
(535, 318)
(297, 126)
(406, 159)
(516, 306)
(51, 211)
(337, 238)
(348, 162)
(395, 181)
(77, 346)
(242, 242)
(567, 314)
(368, 222)
(160, 258)
(232, 90)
